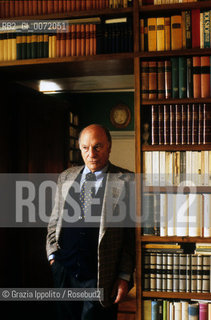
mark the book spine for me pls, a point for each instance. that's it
(206, 124)
(206, 274)
(145, 80)
(183, 124)
(167, 33)
(189, 124)
(164, 272)
(175, 272)
(188, 273)
(206, 28)
(193, 273)
(193, 311)
(182, 272)
(145, 34)
(196, 77)
(152, 34)
(207, 215)
(161, 79)
(160, 34)
(152, 80)
(146, 271)
(168, 77)
(169, 272)
(178, 121)
(160, 125)
(203, 311)
(199, 274)
(172, 124)
(195, 13)
(176, 32)
(188, 31)
(159, 272)
(189, 78)
(182, 77)
(152, 269)
(200, 124)
(195, 117)
(166, 124)
(205, 76)
(175, 77)
(155, 125)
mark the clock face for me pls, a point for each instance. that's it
(120, 116)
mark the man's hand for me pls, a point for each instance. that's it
(120, 290)
(51, 261)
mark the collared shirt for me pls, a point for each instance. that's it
(98, 174)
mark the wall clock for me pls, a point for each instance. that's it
(120, 116)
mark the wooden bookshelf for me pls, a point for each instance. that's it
(173, 53)
(184, 147)
(174, 239)
(173, 8)
(175, 189)
(176, 295)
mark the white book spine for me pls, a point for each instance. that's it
(188, 273)
(164, 272)
(206, 274)
(178, 311)
(199, 274)
(195, 215)
(152, 275)
(159, 272)
(207, 215)
(163, 214)
(206, 168)
(169, 272)
(162, 168)
(171, 214)
(156, 168)
(147, 168)
(182, 206)
(175, 272)
(184, 310)
(182, 272)
(193, 273)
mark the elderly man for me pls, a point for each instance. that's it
(83, 255)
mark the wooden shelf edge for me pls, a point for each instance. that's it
(114, 56)
(174, 239)
(175, 6)
(185, 147)
(75, 14)
(173, 53)
(176, 101)
(176, 295)
(177, 189)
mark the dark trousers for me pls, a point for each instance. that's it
(79, 310)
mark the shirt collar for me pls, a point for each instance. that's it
(99, 174)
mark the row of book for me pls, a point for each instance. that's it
(15, 8)
(191, 29)
(81, 40)
(155, 2)
(179, 77)
(177, 310)
(176, 272)
(180, 124)
(178, 168)
(176, 215)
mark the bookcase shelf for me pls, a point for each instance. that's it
(176, 101)
(174, 239)
(174, 7)
(184, 147)
(49, 68)
(173, 53)
(176, 295)
(175, 189)
(78, 14)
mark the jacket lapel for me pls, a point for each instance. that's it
(114, 188)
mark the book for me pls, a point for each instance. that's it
(189, 124)
(206, 124)
(166, 124)
(182, 273)
(188, 30)
(189, 78)
(206, 274)
(160, 34)
(193, 311)
(167, 33)
(175, 77)
(160, 125)
(168, 75)
(205, 76)
(196, 77)
(195, 14)
(195, 117)
(199, 274)
(144, 80)
(175, 272)
(207, 215)
(182, 77)
(169, 272)
(152, 80)
(183, 124)
(206, 28)
(161, 79)
(152, 34)
(172, 124)
(176, 32)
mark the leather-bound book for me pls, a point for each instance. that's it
(178, 123)
(183, 124)
(172, 124)
(161, 79)
(166, 124)
(195, 117)
(160, 124)
(160, 34)
(195, 13)
(167, 29)
(34, 8)
(25, 7)
(153, 80)
(152, 34)
(78, 40)
(197, 77)
(56, 6)
(189, 124)
(205, 76)
(155, 123)
(62, 44)
(176, 32)
(207, 124)
(200, 124)
(50, 6)
(189, 78)
(168, 75)
(144, 80)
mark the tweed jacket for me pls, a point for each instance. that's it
(116, 246)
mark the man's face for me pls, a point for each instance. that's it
(95, 148)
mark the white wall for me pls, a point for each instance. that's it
(123, 149)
